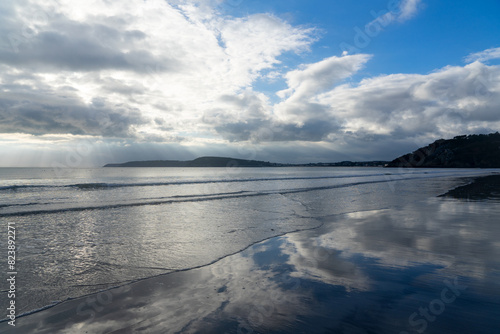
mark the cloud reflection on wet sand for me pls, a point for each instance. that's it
(363, 272)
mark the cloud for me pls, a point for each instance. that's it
(484, 56)
(314, 78)
(81, 46)
(409, 9)
(443, 103)
(243, 40)
(39, 113)
(298, 117)
(398, 11)
(180, 71)
(382, 113)
(168, 61)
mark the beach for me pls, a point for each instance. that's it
(231, 166)
(388, 255)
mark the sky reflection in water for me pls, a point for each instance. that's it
(428, 267)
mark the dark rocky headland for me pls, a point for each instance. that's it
(472, 151)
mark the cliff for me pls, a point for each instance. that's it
(472, 151)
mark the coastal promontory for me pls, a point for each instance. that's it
(467, 151)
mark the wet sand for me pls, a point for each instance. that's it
(431, 266)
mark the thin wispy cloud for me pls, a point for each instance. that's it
(484, 56)
(402, 11)
(408, 8)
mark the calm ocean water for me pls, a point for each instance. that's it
(84, 230)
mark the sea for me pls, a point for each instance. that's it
(80, 231)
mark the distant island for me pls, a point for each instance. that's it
(231, 162)
(199, 162)
(468, 151)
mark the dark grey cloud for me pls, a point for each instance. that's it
(248, 119)
(42, 113)
(266, 131)
(58, 51)
(306, 121)
(314, 130)
(63, 44)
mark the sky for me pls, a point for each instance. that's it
(85, 83)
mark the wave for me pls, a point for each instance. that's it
(23, 186)
(101, 185)
(22, 204)
(197, 198)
